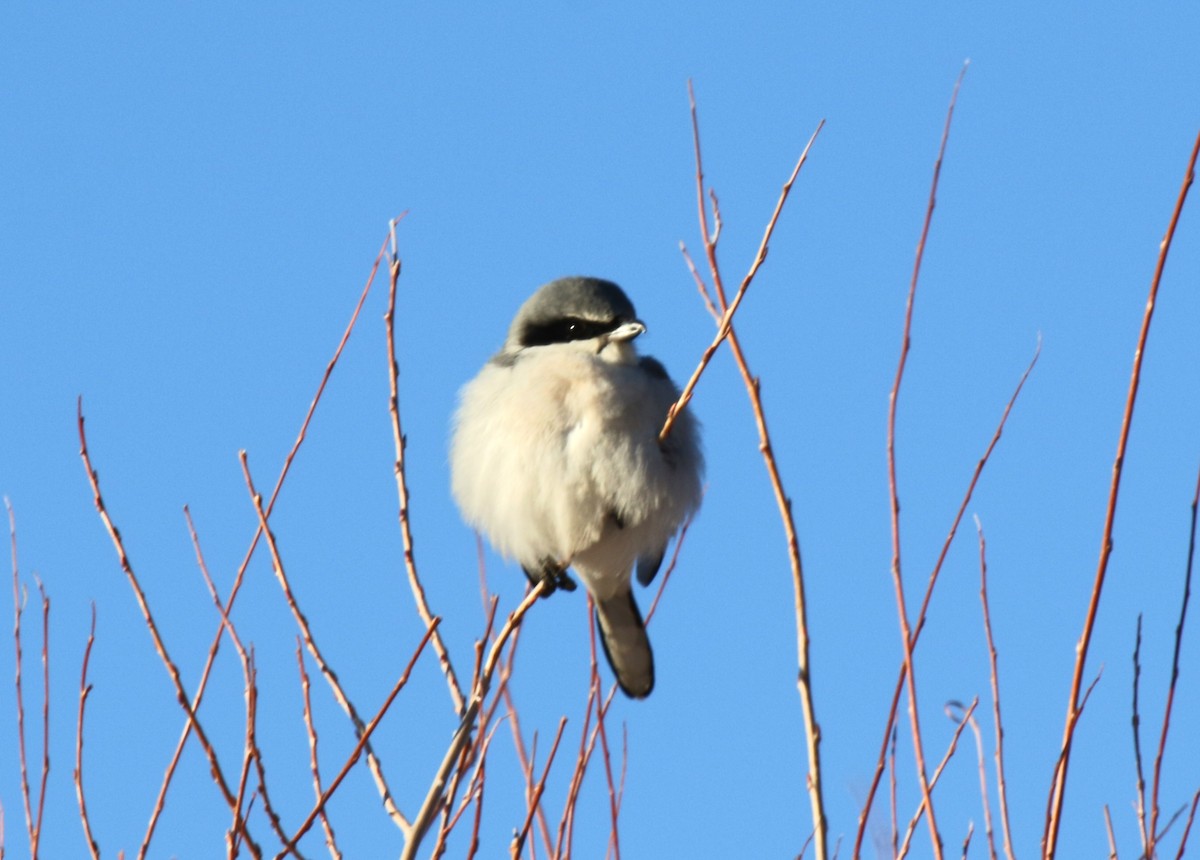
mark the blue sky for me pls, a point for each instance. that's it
(192, 197)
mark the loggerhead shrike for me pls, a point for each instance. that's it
(555, 457)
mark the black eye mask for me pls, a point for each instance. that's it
(565, 330)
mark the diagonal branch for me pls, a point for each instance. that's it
(373, 763)
(363, 743)
(1059, 787)
(401, 443)
(437, 788)
(237, 582)
(159, 645)
(906, 633)
(725, 329)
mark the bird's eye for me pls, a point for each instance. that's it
(563, 330)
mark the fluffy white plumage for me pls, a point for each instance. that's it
(555, 456)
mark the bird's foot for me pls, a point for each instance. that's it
(553, 574)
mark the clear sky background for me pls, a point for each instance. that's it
(191, 199)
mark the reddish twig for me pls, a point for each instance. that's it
(41, 805)
(363, 744)
(993, 663)
(159, 645)
(960, 725)
(311, 730)
(933, 578)
(727, 319)
(254, 754)
(437, 788)
(595, 704)
(1058, 789)
(84, 690)
(535, 799)
(565, 833)
(401, 442)
(469, 750)
(893, 488)
(247, 676)
(983, 792)
(1187, 828)
(614, 806)
(237, 582)
(19, 597)
(753, 389)
(1183, 607)
(373, 763)
(474, 791)
(525, 762)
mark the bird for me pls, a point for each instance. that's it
(555, 458)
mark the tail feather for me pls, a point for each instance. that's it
(626, 645)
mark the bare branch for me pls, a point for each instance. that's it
(1183, 607)
(906, 634)
(237, 583)
(535, 798)
(1059, 787)
(400, 442)
(437, 788)
(160, 646)
(311, 731)
(84, 690)
(727, 319)
(993, 662)
(933, 578)
(373, 763)
(363, 743)
(753, 390)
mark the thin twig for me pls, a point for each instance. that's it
(535, 798)
(614, 806)
(311, 730)
(893, 487)
(960, 726)
(1058, 790)
(247, 675)
(1112, 839)
(437, 788)
(1183, 607)
(994, 673)
(727, 319)
(562, 847)
(892, 791)
(19, 597)
(373, 763)
(84, 690)
(255, 756)
(400, 442)
(983, 792)
(753, 390)
(363, 743)
(211, 657)
(473, 789)
(1187, 829)
(933, 578)
(41, 805)
(1137, 742)
(159, 646)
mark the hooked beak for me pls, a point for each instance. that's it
(626, 331)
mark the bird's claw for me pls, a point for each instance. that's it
(553, 575)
